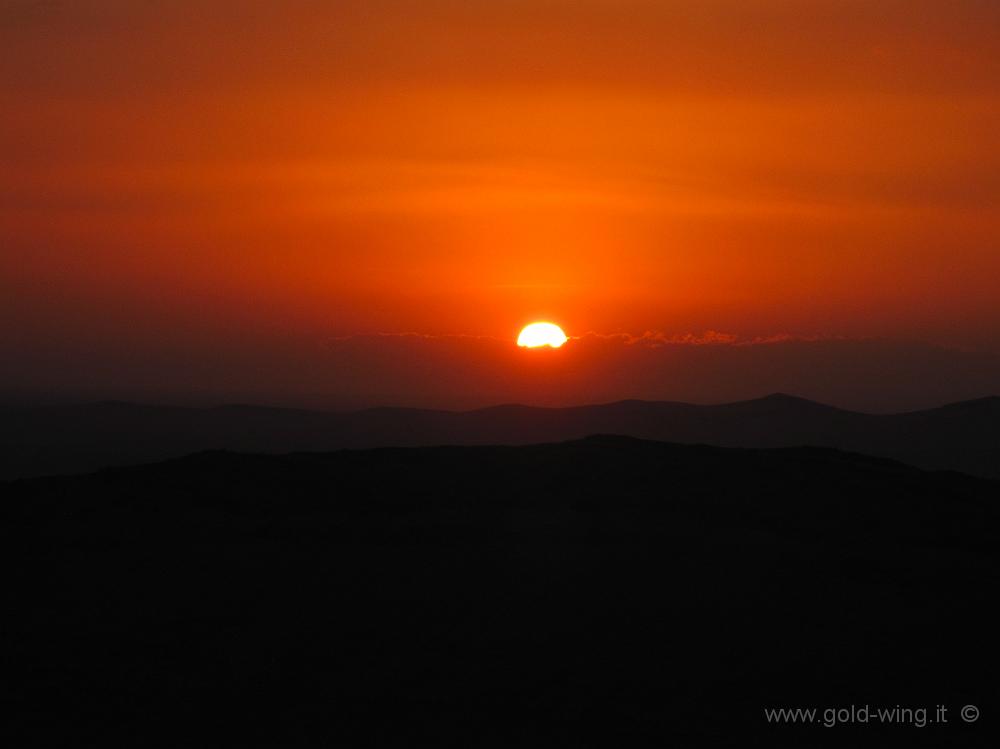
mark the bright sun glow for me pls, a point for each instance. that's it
(541, 334)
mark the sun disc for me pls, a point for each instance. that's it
(541, 334)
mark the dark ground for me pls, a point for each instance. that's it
(607, 592)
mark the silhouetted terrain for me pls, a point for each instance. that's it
(608, 592)
(60, 440)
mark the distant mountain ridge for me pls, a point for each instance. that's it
(35, 441)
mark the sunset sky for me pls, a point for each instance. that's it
(258, 199)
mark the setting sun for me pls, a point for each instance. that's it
(541, 334)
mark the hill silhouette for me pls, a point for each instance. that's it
(602, 592)
(60, 440)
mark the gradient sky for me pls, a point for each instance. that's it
(197, 195)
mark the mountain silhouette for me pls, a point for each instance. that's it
(59, 440)
(602, 592)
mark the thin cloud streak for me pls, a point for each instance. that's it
(650, 338)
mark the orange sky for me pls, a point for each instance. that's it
(202, 173)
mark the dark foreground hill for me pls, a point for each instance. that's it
(608, 592)
(60, 440)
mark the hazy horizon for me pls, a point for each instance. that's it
(462, 373)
